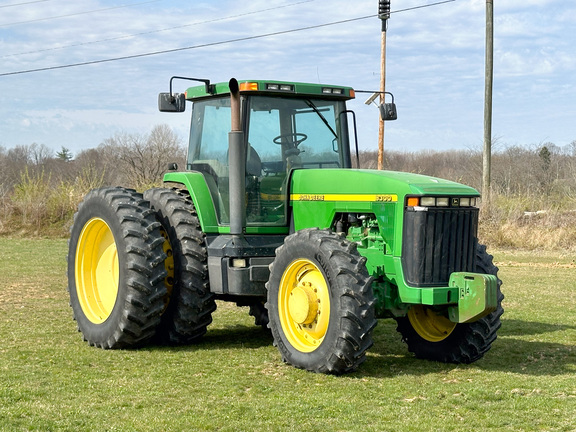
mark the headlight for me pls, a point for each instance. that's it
(442, 202)
(451, 202)
(428, 202)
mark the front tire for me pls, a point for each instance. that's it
(320, 302)
(189, 303)
(431, 335)
(115, 269)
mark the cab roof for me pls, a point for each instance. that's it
(264, 87)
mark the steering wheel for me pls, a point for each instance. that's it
(292, 138)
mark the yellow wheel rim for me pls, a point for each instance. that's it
(304, 305)
(96, 270)
(169, 266)
(429, 324)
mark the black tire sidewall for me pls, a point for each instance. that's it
(95, 206)
(191, 303)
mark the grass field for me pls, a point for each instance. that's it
(50, 380)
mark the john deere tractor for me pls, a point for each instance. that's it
(269, 213)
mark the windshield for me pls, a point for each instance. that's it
(297, 133)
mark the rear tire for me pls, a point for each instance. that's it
(189, 303)
(115, 269)
(320, 302)
(434, 337)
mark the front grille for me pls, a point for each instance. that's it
(438, 242)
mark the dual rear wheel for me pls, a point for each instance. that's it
(137, 269)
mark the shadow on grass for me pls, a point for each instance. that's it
(230, 337)
(389, 357)
(512, 327)
(237, 336)
(509, 353)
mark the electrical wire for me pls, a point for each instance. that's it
(156, 31)
(25, 3)
(210, 44)
(76, 14)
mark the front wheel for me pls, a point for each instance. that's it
(320, 302)
(430, 335)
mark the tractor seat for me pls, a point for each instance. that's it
(253, 163)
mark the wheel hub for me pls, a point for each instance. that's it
(303, 303)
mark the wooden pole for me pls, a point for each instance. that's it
(382, 96)
(489, 78)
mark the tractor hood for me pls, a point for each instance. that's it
(353, 181)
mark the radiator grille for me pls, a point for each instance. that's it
(438, 242)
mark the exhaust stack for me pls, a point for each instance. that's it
(236, 164)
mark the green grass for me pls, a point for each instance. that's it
(50, 380)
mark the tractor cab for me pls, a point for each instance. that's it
(286, 126)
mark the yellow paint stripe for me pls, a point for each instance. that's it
(345, 197)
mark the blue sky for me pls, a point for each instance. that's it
(435, 65)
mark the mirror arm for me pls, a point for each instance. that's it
(370, 100)
(210, 88)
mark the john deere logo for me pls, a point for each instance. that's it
(455, 202)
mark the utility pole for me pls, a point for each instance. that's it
(487, 154)
(383, 14)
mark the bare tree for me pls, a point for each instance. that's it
(39, 154)
(140, 160)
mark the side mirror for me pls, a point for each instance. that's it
(388, 111)
(172, 166)
(172, 103)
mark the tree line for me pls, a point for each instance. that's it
(539, 171)
(40, 188)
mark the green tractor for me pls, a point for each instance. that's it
(269, 213)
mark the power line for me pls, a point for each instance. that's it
(158, 30)
(209, 44)
(74, 14)
(25, 3)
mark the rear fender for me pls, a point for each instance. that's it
(197, 187)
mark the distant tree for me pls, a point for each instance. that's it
(545, 173)
(571, 148)
(40, 154)
(545, 158)
(64, 154)
(19, 155)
